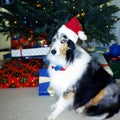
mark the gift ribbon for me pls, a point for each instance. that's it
(21, 52)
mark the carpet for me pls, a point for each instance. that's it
(26, 104)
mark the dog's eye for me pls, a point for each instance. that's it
(65, 36)
(63, 41)
(53, 40)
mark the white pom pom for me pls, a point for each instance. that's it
(82, 35)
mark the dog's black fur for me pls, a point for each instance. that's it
(92, 82)
(70, 51)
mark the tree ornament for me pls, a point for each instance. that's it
(74, 7)
(83, 14)
(15, 22)
(116, 19)
(107, 26)
(27, 11)
(78, 15)
(37, 4)
(24, 21)
(44, 8)
(115, 50)
(36, 22)
(15, 37)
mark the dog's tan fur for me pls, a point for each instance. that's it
(63, 48)
(96, 100)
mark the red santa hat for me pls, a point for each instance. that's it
(73, 30)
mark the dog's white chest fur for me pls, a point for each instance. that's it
(62, 80)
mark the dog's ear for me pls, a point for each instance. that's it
(71, 44)
(70, 51)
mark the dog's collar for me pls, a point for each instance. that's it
(58, 68)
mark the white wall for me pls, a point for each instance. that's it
(3, 42)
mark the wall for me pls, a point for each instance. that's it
(3, 42)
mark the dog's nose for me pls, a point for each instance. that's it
(53, 51)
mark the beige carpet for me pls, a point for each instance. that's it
(26, 104)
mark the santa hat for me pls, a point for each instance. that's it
(73, 30)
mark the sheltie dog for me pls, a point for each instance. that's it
(80, 81)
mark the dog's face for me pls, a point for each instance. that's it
(62, 47)
(59, 45)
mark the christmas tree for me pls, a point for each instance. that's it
(41, 17)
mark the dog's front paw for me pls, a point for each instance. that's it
(52, 117)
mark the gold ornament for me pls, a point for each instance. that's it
(83, 14)
(38, 5)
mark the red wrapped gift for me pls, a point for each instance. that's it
(28, 40)
(20, 73)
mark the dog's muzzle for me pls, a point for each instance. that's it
(53, 51)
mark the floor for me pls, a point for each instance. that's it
(26, 104)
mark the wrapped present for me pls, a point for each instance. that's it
(44, 83)
(29, 52)
(20, 73)
(29, 45)
(101, 59)
(28, 40)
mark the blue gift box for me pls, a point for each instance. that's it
(44, 83)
